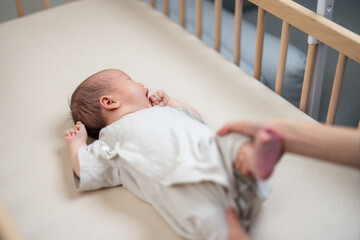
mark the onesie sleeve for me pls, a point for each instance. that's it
(99, 167)
(189, 113)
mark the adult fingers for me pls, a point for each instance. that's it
(247, 127)
(236, 231)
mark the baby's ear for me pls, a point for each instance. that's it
(109, 102)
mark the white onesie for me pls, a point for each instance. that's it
(169, 158)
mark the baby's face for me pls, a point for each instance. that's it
(129, 92)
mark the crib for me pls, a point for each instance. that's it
(43, 58)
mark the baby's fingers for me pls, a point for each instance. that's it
(157, 96)
(152, 99)
(155, 99)
(160, 93)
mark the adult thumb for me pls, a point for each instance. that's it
(236, 231)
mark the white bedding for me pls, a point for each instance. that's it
(43, 58)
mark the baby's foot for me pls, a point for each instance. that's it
(77, 134)
(263, 154)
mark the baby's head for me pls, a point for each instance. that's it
(105, 97)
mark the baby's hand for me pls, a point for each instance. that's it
(77, 134)
(159, 98)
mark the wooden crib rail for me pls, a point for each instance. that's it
(198, 18)
(237, 31)
(293, 14)
(260, 31)
(341, 39)
(332, 34)
(182, 9)
(20, 7)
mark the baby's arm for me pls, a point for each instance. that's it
(76, 138)
(162, 99)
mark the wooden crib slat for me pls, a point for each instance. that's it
(20, 8)
(259, 42)
(182, 13)
(166, 7)
(310, 62)
(153, 3)
(217, 30)
(199, 18)
(237, 31)
(332, 34)
(46, 4)
(335, 94)
(285, 34)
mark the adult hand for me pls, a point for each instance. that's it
(247, 127)
(329, 143)
(262, 153)
(236, 231)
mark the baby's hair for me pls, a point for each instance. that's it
(85, 104)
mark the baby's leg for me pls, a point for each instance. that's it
(247, 192)
(260, 156)
(195, 210)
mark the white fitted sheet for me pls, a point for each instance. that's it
(43, 58)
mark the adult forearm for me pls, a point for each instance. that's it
(334, 144)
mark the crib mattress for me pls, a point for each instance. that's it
(43, 58)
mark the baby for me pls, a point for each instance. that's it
(161, 150)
